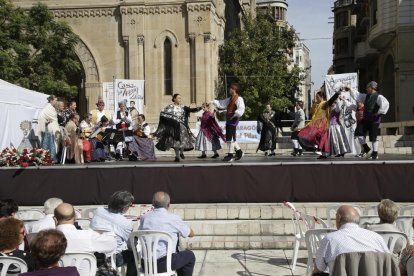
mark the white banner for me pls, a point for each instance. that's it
(130, 90)
(348, 113)
(246, 132)
(108, 96)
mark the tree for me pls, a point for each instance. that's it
(256, 57)
(36, 51)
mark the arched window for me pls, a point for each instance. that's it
(167, 67)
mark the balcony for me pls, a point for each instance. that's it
(382, 33)
(342, 3)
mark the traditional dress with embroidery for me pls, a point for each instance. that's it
(142, 146)
(316, 132)
(338, 140)
(210, 133)
(266, 126)
(173, 130)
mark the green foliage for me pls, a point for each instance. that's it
(256, 57)
(36, 51)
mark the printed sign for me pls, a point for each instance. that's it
(130, 91)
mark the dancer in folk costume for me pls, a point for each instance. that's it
(208, 137)
(267, 128)
(339, 144)
(316, 132)
(235, 107)
(297, 125)
(173, 130)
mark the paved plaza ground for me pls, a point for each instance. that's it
(248, 262)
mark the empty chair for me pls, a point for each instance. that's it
(302, 223)
(365, 263)
(84, 262)
(391, 237)
(7, 261)
(88, 213)
(30, 214)
(368, 219)
(405, 225)
(371, 210)
(312, 239)
(149, 241)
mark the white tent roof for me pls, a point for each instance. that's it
(16, 105)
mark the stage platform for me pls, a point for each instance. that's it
(254, 179)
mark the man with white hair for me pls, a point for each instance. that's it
(46, 222)
(349, 238)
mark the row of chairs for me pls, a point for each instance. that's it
(144, 245)
(304, 222)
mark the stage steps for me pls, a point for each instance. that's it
(388, 144)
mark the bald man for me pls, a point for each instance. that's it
(82, 241)
(161, 220)
(349, 238)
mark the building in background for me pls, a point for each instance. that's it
(374, 38)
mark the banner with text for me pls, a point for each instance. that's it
(347, 117)
(130, 90)
(246, 132)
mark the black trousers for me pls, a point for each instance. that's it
(182, 262)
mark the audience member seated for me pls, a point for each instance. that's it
(142, 146)
(47, 248)
(349, 238)
(406, 254)
(112, 219)
(8, 208)
(46, 222)
(388, 213)
(82, 241)
(161, 220)
(12, 233)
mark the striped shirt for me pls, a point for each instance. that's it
(349, 238)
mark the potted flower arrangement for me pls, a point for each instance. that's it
(11, 157)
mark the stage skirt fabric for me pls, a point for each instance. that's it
(338, 140)
(203, 144)
(142, 148)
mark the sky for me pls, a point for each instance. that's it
(310, 19)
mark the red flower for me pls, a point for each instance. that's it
(24, 165)
(25, 151)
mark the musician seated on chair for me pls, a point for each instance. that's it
(161, 220)
(349, 238)
(99, 149)
(122, 121)
(142, 146)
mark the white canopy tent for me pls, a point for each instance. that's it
(16, 105)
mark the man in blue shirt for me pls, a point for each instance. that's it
(161, 220)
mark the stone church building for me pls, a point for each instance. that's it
(172, 45)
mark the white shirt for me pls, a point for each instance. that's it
(116, 223)
(87, 240)
(349, 238)
(84, 125)
(47, 222)
(382, 102)
(161, 220)
(222, 104)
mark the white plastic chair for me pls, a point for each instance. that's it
(88, 213)
(391, 237)
(79, 260)
(371, 210)
(312, 239)
(301, 224)
(149, 241)
(30, 214)
(410, 267)
(7, 261)
(405, 225)
(407, 210)
(368, 219)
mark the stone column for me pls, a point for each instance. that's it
(141, 69)
(193, 75)
(93, 91)
(126, 56)
(207, 66)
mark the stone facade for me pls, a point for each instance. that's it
(125, 39)
(373, 38)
